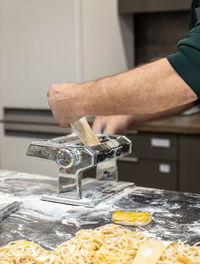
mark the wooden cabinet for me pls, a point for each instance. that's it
(149, 173)
(153, 162)
(189, 164)
(154, 146)
(166, 161)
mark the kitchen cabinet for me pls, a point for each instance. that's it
(154, 146)
(165, 154)
(14, 157)
(20, 129)
(136, 6)
(189, 165)
(149, 173)
(153, 162)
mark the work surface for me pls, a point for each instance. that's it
(175, 215)
(176, 124)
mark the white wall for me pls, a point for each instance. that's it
(37, 49)
(104, 50)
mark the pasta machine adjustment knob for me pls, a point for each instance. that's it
(66, 158)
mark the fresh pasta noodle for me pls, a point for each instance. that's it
(109, 244)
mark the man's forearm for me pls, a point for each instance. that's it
(149, 89)
(168, 113)
(141, 119)
(152, 88)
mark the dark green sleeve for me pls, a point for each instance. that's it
(186, 61)
(193, 17)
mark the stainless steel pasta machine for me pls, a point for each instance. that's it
(73, 158)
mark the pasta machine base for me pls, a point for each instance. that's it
(93, 192)
(73, 158)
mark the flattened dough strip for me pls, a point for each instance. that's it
(82, 129)
(150, 251)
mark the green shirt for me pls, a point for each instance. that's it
(186, 61)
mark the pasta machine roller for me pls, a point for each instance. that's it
(73, 158)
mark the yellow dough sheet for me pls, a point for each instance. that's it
(131, 218)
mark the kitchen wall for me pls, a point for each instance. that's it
(105, 40)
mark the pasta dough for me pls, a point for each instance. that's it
(109, 244)
(131, 218)
(150, 252)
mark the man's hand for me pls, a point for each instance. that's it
(117, 124)
(65, 102)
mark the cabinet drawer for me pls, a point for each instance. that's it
(154, 146)
(189, 164)
(149, 173)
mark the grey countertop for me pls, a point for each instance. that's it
(176, 216)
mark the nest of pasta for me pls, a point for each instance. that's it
(109, 244)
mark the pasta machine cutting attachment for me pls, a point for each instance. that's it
(73, 158)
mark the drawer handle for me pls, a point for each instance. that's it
(164, 168)
(128, 159)
(160, 142)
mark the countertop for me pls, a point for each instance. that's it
(176, 216)
(177, 124)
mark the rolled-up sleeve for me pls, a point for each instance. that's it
(186, 61)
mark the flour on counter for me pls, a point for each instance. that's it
(176, 216)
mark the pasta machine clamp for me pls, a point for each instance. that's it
(73, 158)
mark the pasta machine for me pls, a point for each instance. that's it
(73, 158)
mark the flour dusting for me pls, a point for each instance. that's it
(176, 216)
